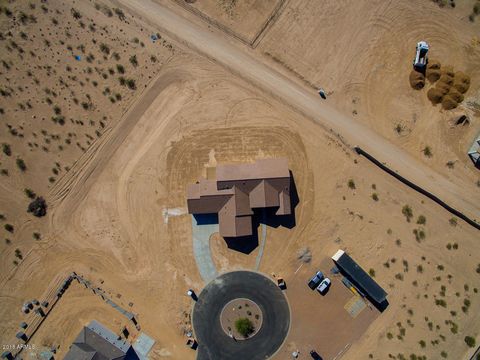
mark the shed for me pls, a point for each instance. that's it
(360, 279)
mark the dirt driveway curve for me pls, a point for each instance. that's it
(243, 62)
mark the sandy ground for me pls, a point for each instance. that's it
(106, 214)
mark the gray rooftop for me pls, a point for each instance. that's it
(95, 342)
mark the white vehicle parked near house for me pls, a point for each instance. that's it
(324, 285)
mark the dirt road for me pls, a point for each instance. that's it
(240, 60)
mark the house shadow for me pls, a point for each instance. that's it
(244, 244)
(266, 216)
(206, 219)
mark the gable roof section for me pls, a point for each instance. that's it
(261, 169)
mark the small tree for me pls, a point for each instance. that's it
(244, 326)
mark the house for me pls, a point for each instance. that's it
(240, 188)
(95, 342)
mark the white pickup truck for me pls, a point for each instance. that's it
(421, 59)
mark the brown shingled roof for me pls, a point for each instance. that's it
(238, 189)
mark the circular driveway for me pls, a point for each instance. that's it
(214, 344)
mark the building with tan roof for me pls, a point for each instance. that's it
(240, 188)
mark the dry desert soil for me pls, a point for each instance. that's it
(109, 127)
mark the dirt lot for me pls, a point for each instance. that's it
(105, 216)
(243, 20)
(319, 322)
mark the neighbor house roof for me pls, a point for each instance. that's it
(239, 188)
(474, 151)
(95, 342)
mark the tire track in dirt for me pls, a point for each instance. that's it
(244, 64)
(67, 196)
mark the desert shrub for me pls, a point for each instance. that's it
(441, 302)
(448, 103)
(435, 95)
(6, 149)
(420, 269)
(476, 8)
(21, 164)
(419, 234)
(120, 69)
(427, 151)
(432, 75)
(417, 80)
(407, 212)
(351, 184)
(244, 326)
(9, 228)
(38, 207)
(453, 221)
(422, 344)
(422, 220)
(30, 193)
(371, 272)
(119, 13)
(36, 236)
(104, 48)
(375, 196)
(470, 341)
(76, 14)
(131, 84)
(133, 60)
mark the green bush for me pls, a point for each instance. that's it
(470, 341)
(21, 164)
(351, 184)
(422, 220)
(407, 212)
(244, 326)
(6, 149)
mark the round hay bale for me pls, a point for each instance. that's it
(446, 79)
(435, 96)
(433, 75)
(448, 103)
(417, 80)
(455, 95)
(461, 77)
(448, 70)
(434, 65)
(442, 87)
(461, 87)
